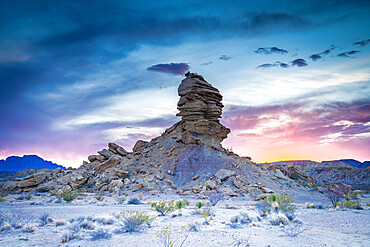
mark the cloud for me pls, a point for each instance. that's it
(270, 50)
(315, 57)
(170, 68)
(361, 43)
(277, 63)
(224, 57)
(320, 55)
(207, 63)
(261, 22)
(300, 62)
(347, 53)
(330, 121)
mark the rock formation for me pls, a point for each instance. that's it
(186, 158)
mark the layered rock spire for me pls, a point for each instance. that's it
(199, 99)
(200, 108)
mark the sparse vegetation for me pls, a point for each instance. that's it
(293, 230)
(69, 236)
(241, 241)
(278, 219)
(100, 234)
(207, 215)
(2, 199)
(99, 197)
(263, 207)
(134, 221)
(121, 200)
(67, 196)
(168, 238)
(28, 228)
(199, 205)
(346, 203)
(286, 205)
(163, 207)
(134, 201)
(45, 219)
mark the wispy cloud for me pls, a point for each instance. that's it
(276, 64)
(224, 57)
(170, 68)
(318, 56)
(347, 53)
(270, 50)
(361, 43)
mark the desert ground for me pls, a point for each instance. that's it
(317, 225)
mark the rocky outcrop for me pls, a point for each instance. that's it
(186, 158)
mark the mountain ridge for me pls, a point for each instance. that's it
(17, 163)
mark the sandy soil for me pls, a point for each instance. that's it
(323, 226)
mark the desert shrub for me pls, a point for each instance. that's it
(75, 227)
(99, 197)
(168, 238)
(18, 218)
(67, 196)
(121, 200)
(59, 223)
(28, 196)
(278, 219)
(134, 221)
(20, 198)
(274, 198)
(87, 225)
(134, 201)
(293, 230)
(28, 228)
(2, 199)
(193, 227)
(263, 207)
(319, 206)
(199, 204)
(180, 204)
(79, 219)
(241, 219)
(105, 221)
(346, 203)
(336, 194)
(163, 207)
(45, 219)
(353, 194)
(214, 198)
(207, 214)
(286, 205)
(68, 237)
(241, 241)
(310, 205)
(100, 234)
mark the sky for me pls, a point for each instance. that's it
(75, 75)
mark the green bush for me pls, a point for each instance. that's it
(121, 199)
(164, 207)
(67, 196)
(274, 198)
(99, 197)
(2, 199)
(199, 204)
(180, 204)
(353, 194)
(346, 203)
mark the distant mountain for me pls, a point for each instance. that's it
(15, 163)
(350, 162)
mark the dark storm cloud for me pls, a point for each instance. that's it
(347, 53)
(224, 57)
(170, 68)
(364, 42)
(270, 50)
(300, 62)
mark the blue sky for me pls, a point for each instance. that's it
(75, 75)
